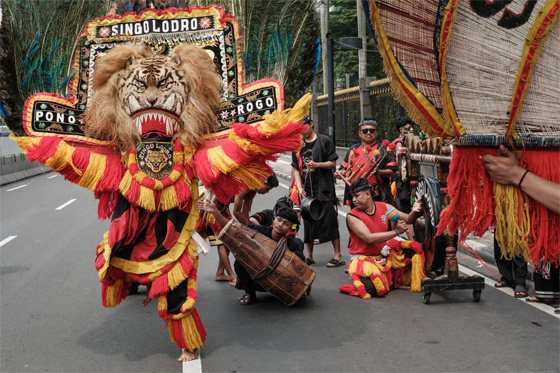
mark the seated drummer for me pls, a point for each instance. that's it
(281, 225)
(266, 217)
(371, 224)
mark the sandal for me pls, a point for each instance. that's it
(501, 284)
(333, 263)
(520, 292)
(247, 300)
(309, 261)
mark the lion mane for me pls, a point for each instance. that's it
(106, 118)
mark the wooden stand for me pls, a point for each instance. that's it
(451, 279)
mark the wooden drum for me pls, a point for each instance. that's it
(270, 263)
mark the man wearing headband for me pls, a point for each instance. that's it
(359, 160)
(371, 224)
(281, 225)
(266, 217)
(312, 173)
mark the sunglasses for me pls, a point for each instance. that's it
(368, 130)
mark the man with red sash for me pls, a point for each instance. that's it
(378, 259)
(360, 159)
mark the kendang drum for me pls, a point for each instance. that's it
(278, 270)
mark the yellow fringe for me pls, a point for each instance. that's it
(417, 274)
(250, 176)
(221, 160)
(125, 183)
(275, 121)
(190, 333)
(511, 234)
(94, 171)
(24, 141)
(379, 284)
(300, 109)
(168, 199)
(162, 303)
(146, 199)
(112, 299)
(369, 269)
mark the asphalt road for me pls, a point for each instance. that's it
(52, 319)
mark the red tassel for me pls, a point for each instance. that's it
(468, 182)
(160, 286)
(544, 245)
(348, 289)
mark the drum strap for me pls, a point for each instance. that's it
(274, 261)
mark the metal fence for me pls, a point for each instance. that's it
(384, 109)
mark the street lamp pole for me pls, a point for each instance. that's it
(330, 88)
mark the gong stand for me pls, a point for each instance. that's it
(428, 181)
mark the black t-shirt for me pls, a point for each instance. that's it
(264, 217)
(294, 244)
(319, 182)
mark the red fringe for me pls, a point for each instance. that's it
(107, 203)
(348, 289)
(544, 245)
(178, 335)
(468, 182)
(43, 150)
(160, 285)
(133, 193)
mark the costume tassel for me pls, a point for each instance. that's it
(471, 192)
(113, 292)
(348, 289)
(187, 332)
(417, 273)
(545, 225)
(512, 221)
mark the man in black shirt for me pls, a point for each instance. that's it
(266, 217)
(312, 170)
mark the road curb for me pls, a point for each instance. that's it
(16, 167)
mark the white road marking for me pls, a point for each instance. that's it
(285, 162)
(193, 366)
(489, 282)
(21, 186)
(6, 240)
(66, 204)
(50, 177)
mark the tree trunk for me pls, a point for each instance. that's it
(10, 97)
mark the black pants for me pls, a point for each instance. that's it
(513, 272)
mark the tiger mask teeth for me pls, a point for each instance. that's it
(154, 122)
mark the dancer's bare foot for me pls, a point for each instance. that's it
(222, 277)
(232, 280)
(187, 355)
(146, 300)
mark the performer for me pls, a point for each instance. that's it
(266, 217)
(505, 169)
(362, 155)
(373, 227)
(312, 172)
(149, 141)
(281, 226)
(404, 126)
